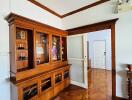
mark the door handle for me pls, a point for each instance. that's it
(104, 53)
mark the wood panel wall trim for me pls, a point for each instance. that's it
(120, 98)
(92, 27)
(109, 24)
(69, 13)
(84, 8)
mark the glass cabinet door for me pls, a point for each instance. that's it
(46, 84)
(24, 49)
(56, 48)
(30, 92)
(42, 45)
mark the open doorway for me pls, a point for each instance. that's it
(109, 24)
(99, 49)
(100, 64)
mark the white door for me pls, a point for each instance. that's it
(77, 56)
(99, 52)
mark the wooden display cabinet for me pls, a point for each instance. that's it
(35, 48)
(38, 59)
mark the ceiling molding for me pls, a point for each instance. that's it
(45, 8)
(70, 13)
(84, 8)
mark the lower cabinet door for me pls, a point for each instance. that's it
(47, 95)
(58, 88)
(30, 92)
(66, 83)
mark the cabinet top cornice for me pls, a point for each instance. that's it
(14, 18)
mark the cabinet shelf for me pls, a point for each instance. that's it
(23, 69)
(22, 60)
(22, 50)
(21, 40)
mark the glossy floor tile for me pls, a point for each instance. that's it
(100, 85)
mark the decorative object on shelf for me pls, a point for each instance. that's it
(40, 50)
(22, 56)
(55, 48)
(21, 35)
(21, 46)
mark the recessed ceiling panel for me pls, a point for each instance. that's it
(65, 6)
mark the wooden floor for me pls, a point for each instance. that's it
(99, 88)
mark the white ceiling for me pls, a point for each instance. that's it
(64, 6)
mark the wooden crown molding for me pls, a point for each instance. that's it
(70, 13)
(84, 8)
(92, 27)
(45, 8)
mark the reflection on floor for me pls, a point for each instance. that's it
(99, 88)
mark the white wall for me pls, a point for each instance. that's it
(123, 36)
(92, 15)
(100, 35)
(29, 10)
(123, 51)
(4, 52)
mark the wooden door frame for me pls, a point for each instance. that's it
(109, 24)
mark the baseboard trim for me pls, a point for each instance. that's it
(79, 84)
(120, 98)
